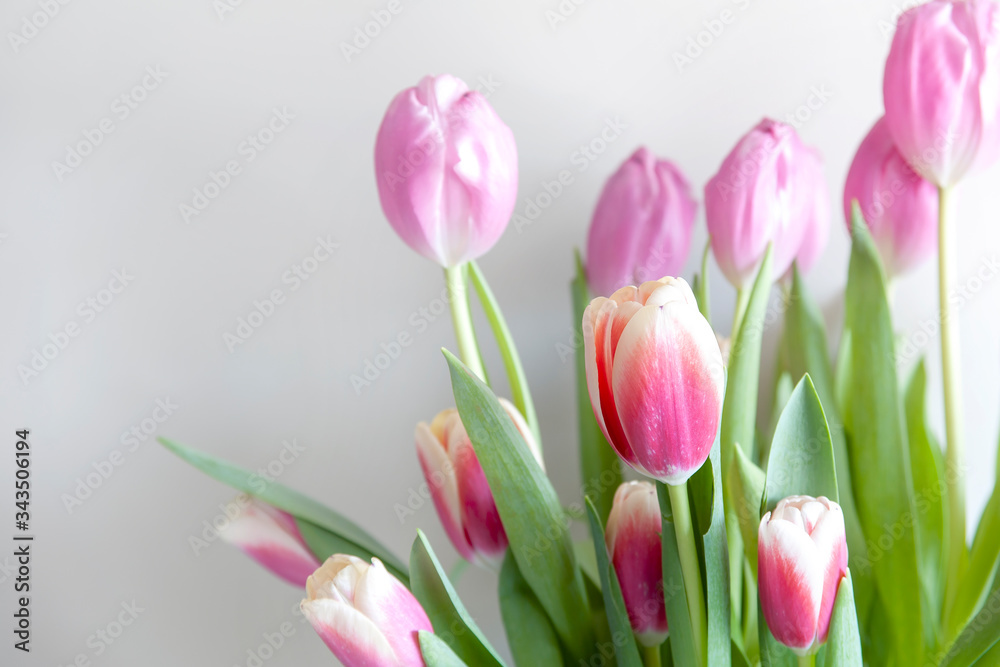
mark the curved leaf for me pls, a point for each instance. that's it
(436, 652)
(530, 633)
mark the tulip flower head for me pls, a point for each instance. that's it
(802, 558)
(364, 614)
(655, 376)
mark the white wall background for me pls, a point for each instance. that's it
(162, 337)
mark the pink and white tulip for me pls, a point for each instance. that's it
(446, 168)
(942, 87)
(458, 484)
(270, 537)
(641, 227)
(635, 547)
(801, 560)
(364, 614)
(655, 376)
(900, 207)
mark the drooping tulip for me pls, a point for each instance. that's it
(635, 547)
(801, 560)
(641, 227)
(446, 167)
(364, 614)
(942, 87)
(458, 484)
(655, 376)
(899, 206)
(270, 537)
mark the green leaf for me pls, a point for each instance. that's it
(353, 538)
(436, 652)
(739, 659)
(614, 604)
(674, 591)
(536, 526)
(843, 644)
(747, 482)
(452, 623)
(700, 287)
(532, 638)
(980, 636)
(879, 452)
(587, 560)
(706, 503)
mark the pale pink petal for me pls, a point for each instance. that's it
(394, 611)
(352, 637)
(270, 537)
(439, 473)
(789, 576)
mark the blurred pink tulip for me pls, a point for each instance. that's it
(635, 548)
(942, 87)
(458, 485)
(814, 207)
(364, 614)
(270, 537)
(446, 167)
(641, 227)
(898, 205)
(656, 378)
(802, 558)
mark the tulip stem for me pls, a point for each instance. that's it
(807, 660)
(461, 316)
(742, 302)
(651, 656)
(951, 377)
(690, 567)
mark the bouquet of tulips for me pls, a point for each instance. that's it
(833, 533)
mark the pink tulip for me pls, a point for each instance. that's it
(635, 548)
(942, 87)
(814, 207)
(765, 192)
(802, 557)
(899, 206)
(364, 614)
(458, 485)
(642, 225)
(270, 537)
(446, 167)
(655, 375)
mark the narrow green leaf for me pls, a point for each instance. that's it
(587, 560)
(700, 287)
(436, 652)
(532, 638)
(674, 592)
(747, 482)
(980, 636)
(843, 644)
(706, 502)
(739, 659)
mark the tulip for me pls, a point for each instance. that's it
(814, 207)
(764, 193)
(446, 167)
(898, 205)
(270, 537)
(641, 227)
(942, 88)
(635, 548)
(801, 559)
(458, 485)
(655, 377)
(364, 614)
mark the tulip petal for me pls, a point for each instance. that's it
(352, 637)
(790, 578)
(270, 537)
(394, 611)
(479, 511)
(439, 472)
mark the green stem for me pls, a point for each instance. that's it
(651, 656)
(461, 316)
(690, 568)
(742, 301)
(807, 660)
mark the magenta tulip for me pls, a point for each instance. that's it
(458, 486)
(446, 167)
(801, 560)
(655, 376)
(942, 87)
(635, 547)
(898, 205)
(270, 537)
(364, 614)
(641, 228)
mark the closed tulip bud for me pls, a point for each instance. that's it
(655, 376)
(635, 547)
(458, 485)
(814, 207)
(801, 560)
(270, 537)
(364, 614)
(446, 167)
(942, 87)
(898, 205)
(642, 224)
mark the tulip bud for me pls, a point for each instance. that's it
(814, 211)
(766, 192)
(635, 547)
(458, 484)
(801, 559)
(270, 537)
(446, 167)
(642, 224)
(364, 614)
(899, 206)
(942, 87)
(655, 376)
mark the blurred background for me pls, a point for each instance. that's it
(113, 238)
